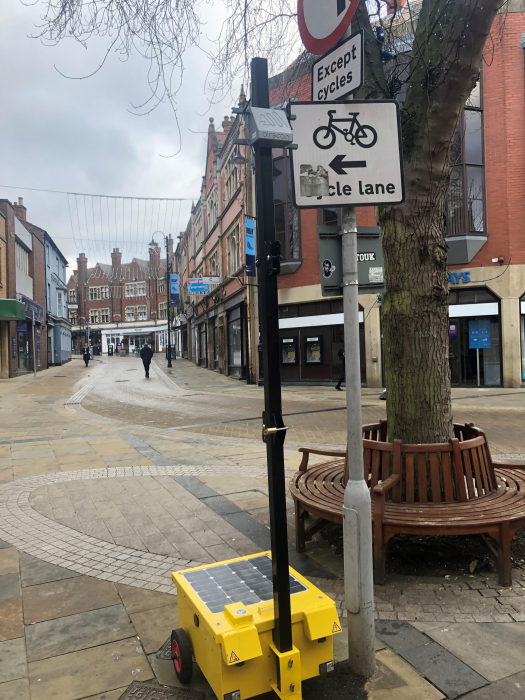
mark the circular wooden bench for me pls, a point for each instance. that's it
(453, 488)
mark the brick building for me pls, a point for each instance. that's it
(22, 294)
(486, 248)
(120, 305)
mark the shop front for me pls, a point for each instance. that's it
(31, 340)
(202, 344)
(522, 334)
(236, 342)
(475, 338)
(311, 336)
(11, 312)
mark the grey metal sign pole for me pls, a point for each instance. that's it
(357, 512)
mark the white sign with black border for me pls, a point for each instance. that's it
(348, 154)
(340, 71)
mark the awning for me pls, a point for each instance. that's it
(12, 310)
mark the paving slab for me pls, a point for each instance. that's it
(9, 586)
(107, 695)
(75, 632)
(12, 660)
(15, 690)
(395, 679)
(34, 571)
(494, 650)
(400, 636)
(11, 619)
(89, 672)
(67, 597)
(510, 688)
(138, 599)
(154, 626)
(450, 675)
(8, 561)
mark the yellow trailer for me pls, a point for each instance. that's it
(226, 618)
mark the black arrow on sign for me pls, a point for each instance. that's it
(339, 164)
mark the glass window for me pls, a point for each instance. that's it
(105, 315)
(93, 316)
(475, 296)
(160, 285)
(290, 311)
(330, 215)
(130, 313)
(141, 289)
(473, 137)
(143, 313)
(475, 198)
(465, 205)
(129, 290)
(235, 343)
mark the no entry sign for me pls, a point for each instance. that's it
(323, 22)
(348, 153)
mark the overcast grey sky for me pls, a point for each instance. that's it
(76, 135)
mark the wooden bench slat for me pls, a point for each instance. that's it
(434, 478)
(467, 470)
(422, 485)
(447, 476)
(409, 477)
(385, 466)
(376, 456)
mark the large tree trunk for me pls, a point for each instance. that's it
(415, 325)
(444, 64)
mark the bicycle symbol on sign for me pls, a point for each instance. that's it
(363, 135)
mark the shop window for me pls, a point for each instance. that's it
(142, 313)
(287, 217)
(21, 258)
(104, 314)
(479, 295)
(465, 205)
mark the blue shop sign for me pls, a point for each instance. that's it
(457, 277)
(33, 307)
(479, 334)
(249, 246)
(174, 290)
(21, 327)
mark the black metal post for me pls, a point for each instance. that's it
(168, 299)
(272, 416)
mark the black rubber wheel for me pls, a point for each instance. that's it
(181, 655)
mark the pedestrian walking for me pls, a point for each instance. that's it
(146, 354)
(85, 355)
(341, 355)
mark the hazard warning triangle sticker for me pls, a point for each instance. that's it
(233, 657)
(335, 628)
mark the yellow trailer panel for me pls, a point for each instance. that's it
(227, 613)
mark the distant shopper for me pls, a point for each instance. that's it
(146, 354)
(341, 355)
(86, 355)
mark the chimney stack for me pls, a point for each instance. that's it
(227, 124)
(116, 265)
(170, 244)
(20, 210)
(154, 259)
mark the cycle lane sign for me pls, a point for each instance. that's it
(348, 154)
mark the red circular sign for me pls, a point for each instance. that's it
(323, 22)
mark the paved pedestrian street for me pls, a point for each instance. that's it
(109, 482)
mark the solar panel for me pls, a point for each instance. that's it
(248, 581)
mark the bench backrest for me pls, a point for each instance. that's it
(458, 470)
